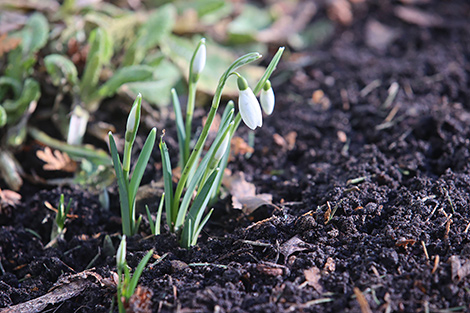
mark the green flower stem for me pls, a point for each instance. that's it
(189, 117)
(205, 131)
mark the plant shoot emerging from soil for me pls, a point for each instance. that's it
(203, 177)
(128, 187)
(127, 284)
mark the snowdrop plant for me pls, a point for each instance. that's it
(203, 176)
(128, 186)
(126, 283)
(58, 228)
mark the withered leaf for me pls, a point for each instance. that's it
(8, 43)
(460, 268)
(239, 146)
(244, 195)
(56, 161)
(293, 245)
(312, 278)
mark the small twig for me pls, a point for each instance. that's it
(436, 264)
(425, 251)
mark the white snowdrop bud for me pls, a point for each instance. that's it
(267, 98)
(200, 58)
(121, 253)
(248, 105)
(134, 115)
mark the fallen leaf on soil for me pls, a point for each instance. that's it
(418, 17)
(239, 146)
(312, 278)
(287, 142)
(379, 36)
(8, 198)
(140, 301)
(244, 195)
(8, 43)
(460, 268)
(295, 244)
(56, 161)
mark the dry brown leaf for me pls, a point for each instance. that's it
(244, 195)
(460, 268)
(379, 36)
(8, 43)
(287, 142)
(239, 146)
(140, 301)
(312, 278)
(8, 199)
(56, 161)
(418, 17)
(295, 244)
(340, 11)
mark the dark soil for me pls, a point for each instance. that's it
(373, 198)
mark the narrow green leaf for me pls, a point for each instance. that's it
(90, 78)
(135, 73)
(197, 209)
(141, 164)
(196, 233)
(59, 67)
(138, 272)
(168, 184)
(269, 70)
(149, 216)
(98, 156)
(123, 192)
(180, 131)
(201, 169)
(159, 215)
(3, 116)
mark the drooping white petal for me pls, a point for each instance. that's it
(199, 59)
(267, 100)
(250, 109)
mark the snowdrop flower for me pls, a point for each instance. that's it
(121, 253)
(248, 105)
(199, 60)
(77, 126)
(267, 98)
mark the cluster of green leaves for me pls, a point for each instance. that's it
(59, 226)
(203, 176)
(19, 93)
(128, 186)
(127, 284)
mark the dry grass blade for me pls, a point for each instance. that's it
(361, 299)
(56, 161)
